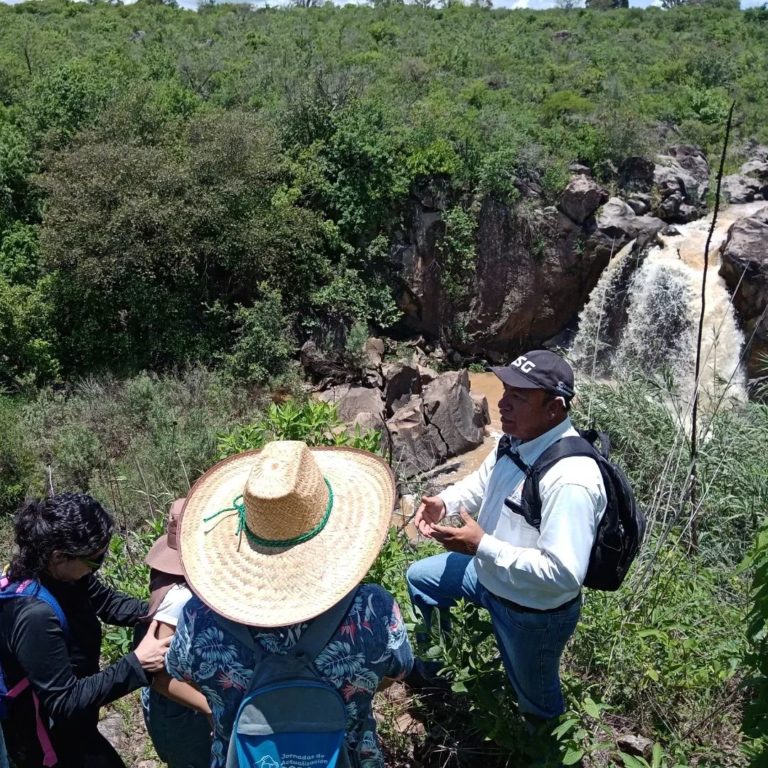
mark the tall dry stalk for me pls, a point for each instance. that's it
(694, 452)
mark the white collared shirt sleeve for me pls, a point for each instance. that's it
(557, 565)
(469, 492)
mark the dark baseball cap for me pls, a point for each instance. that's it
(539, 369)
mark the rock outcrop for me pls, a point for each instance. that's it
(744, 267)
(535, 265)
(449, 407)
(616, 224)
(352, 401)
(444, 420)
(682, 179)
(581, 198)
(750, 184)
(424, 416)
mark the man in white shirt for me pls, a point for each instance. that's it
(529, 580)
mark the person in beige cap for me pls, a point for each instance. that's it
(175, 713)
(273, 543)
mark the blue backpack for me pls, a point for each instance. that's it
(290, 717)
(30, 589)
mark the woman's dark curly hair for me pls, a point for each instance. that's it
(71, 523)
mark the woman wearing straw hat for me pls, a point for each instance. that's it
(273, 540)
(175, 713)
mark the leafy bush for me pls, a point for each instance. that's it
(134, 445)
(756, 657)
(456, 253)
(314, 422)
(17, 462)
(264, 345)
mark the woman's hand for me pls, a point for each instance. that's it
(151, 650)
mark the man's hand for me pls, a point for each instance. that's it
(430, 511)
(465, 539)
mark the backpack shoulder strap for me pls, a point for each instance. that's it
(565, 447)
(310, 643)
(241, 632)
(44, 595)
(322, 629)
(31, 588)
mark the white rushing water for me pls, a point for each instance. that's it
(662, 302)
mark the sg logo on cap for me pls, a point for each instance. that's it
(524, 364)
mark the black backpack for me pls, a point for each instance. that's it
(621, 530)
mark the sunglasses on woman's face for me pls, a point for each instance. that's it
(95, 562)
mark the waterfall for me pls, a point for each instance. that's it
(643, 313)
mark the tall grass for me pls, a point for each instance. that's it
(133, 444)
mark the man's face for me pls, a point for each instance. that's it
(526, 413)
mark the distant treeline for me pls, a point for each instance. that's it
(216, 186)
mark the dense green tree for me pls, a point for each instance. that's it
(142, 239)
(157, 165)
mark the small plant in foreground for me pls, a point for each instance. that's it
(314, 422)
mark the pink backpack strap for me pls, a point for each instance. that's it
(49, 753)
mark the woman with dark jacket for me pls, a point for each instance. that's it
(61, 542)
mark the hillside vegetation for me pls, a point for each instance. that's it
(216, 186)
(186, 197)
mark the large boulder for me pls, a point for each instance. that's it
(682, 179)
(482, 414)
(415, 446)
(750, 184)
(737, 188)
(449, 407)
(758, 169)
(581, 198)
(351, 401)
(635, 174)
(744, 267)
(320, 368)
(401, 381)
(617, 224)
(373, 352)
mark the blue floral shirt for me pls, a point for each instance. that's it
(371, 643)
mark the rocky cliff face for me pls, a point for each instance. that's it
(744, 267)
(535, 265)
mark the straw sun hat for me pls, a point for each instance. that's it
(278, 536)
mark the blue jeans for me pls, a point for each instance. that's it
(182, 737)
(530, 643)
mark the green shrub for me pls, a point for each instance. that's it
(315, 422)
(756, 656)
(264, 344)
(17, 461)
(456, 253)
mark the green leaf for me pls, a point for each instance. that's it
(658, 753)
(653, 674)
(573, 756)
(591, 708)
(563, 728)
(633, 762)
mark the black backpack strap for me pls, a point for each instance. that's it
(311, 643)
(322, 629)
(565, 447)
